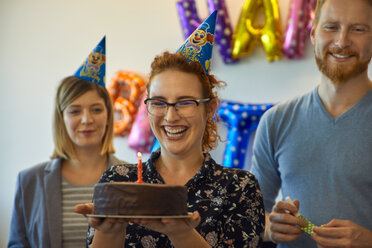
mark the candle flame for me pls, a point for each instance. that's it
(139, 154)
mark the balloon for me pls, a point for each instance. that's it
(127, 111)
(188, 16)
(298, 29)
(129, 85)
(223, 31)
(126, 89)
(141, 137)
(242, 119)
(248, 34)
(190, 21)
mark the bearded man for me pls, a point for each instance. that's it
(317, 148)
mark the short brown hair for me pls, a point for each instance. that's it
(170, 61)
(319, 6)
(70, 89)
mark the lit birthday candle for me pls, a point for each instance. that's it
(139, 168)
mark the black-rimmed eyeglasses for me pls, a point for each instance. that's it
(185, 108)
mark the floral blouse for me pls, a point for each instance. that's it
(228, 200)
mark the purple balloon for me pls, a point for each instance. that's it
(224, 30)
(298, 27)
(190, 21)
(188, 16)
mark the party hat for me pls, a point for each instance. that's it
(198, 47)
(94, 67)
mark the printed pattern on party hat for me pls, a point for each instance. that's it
(93, 68)
(199, 45)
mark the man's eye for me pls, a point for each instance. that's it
(330, 27)
(359, 29)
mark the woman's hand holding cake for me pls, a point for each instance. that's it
(110, 229)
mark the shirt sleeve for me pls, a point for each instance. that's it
(17, 231)
(264, 166)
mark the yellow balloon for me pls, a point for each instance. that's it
(248, 33)
(242, 39)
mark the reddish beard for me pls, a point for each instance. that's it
(339, 73)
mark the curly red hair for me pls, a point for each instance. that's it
(170, 61)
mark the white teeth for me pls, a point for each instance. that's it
(341, 56)
(174, 135)
(174, 132)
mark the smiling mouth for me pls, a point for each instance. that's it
(174, 132)
(86, 131)
(342, 56)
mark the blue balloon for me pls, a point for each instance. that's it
(156, 146)
(242, 120)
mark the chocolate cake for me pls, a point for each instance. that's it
(139, 199)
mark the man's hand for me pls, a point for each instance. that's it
(342, 233)
(284, 225)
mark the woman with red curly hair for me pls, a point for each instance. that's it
(226, 204)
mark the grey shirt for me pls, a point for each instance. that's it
(324, 162)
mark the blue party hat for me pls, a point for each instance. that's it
(94, 67)
(198, 47)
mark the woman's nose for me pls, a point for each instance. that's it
(171, 114)
(86, 117)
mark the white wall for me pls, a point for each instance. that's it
(43, 41)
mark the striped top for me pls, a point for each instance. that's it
(74, 226)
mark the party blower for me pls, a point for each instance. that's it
(309, 226)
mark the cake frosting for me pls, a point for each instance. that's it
(139, 199)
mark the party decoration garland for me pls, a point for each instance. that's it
(190, 21)
(248, 34)
(298, 29)
(242, 120)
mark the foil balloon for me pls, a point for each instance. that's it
(223, 34)
(249, 34)
(188, 16)
(224, 30)
(299, 22)
(242, 120)
(141, 137)
(126, 89)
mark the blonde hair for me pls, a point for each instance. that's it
(70, 89)
(169, 61)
